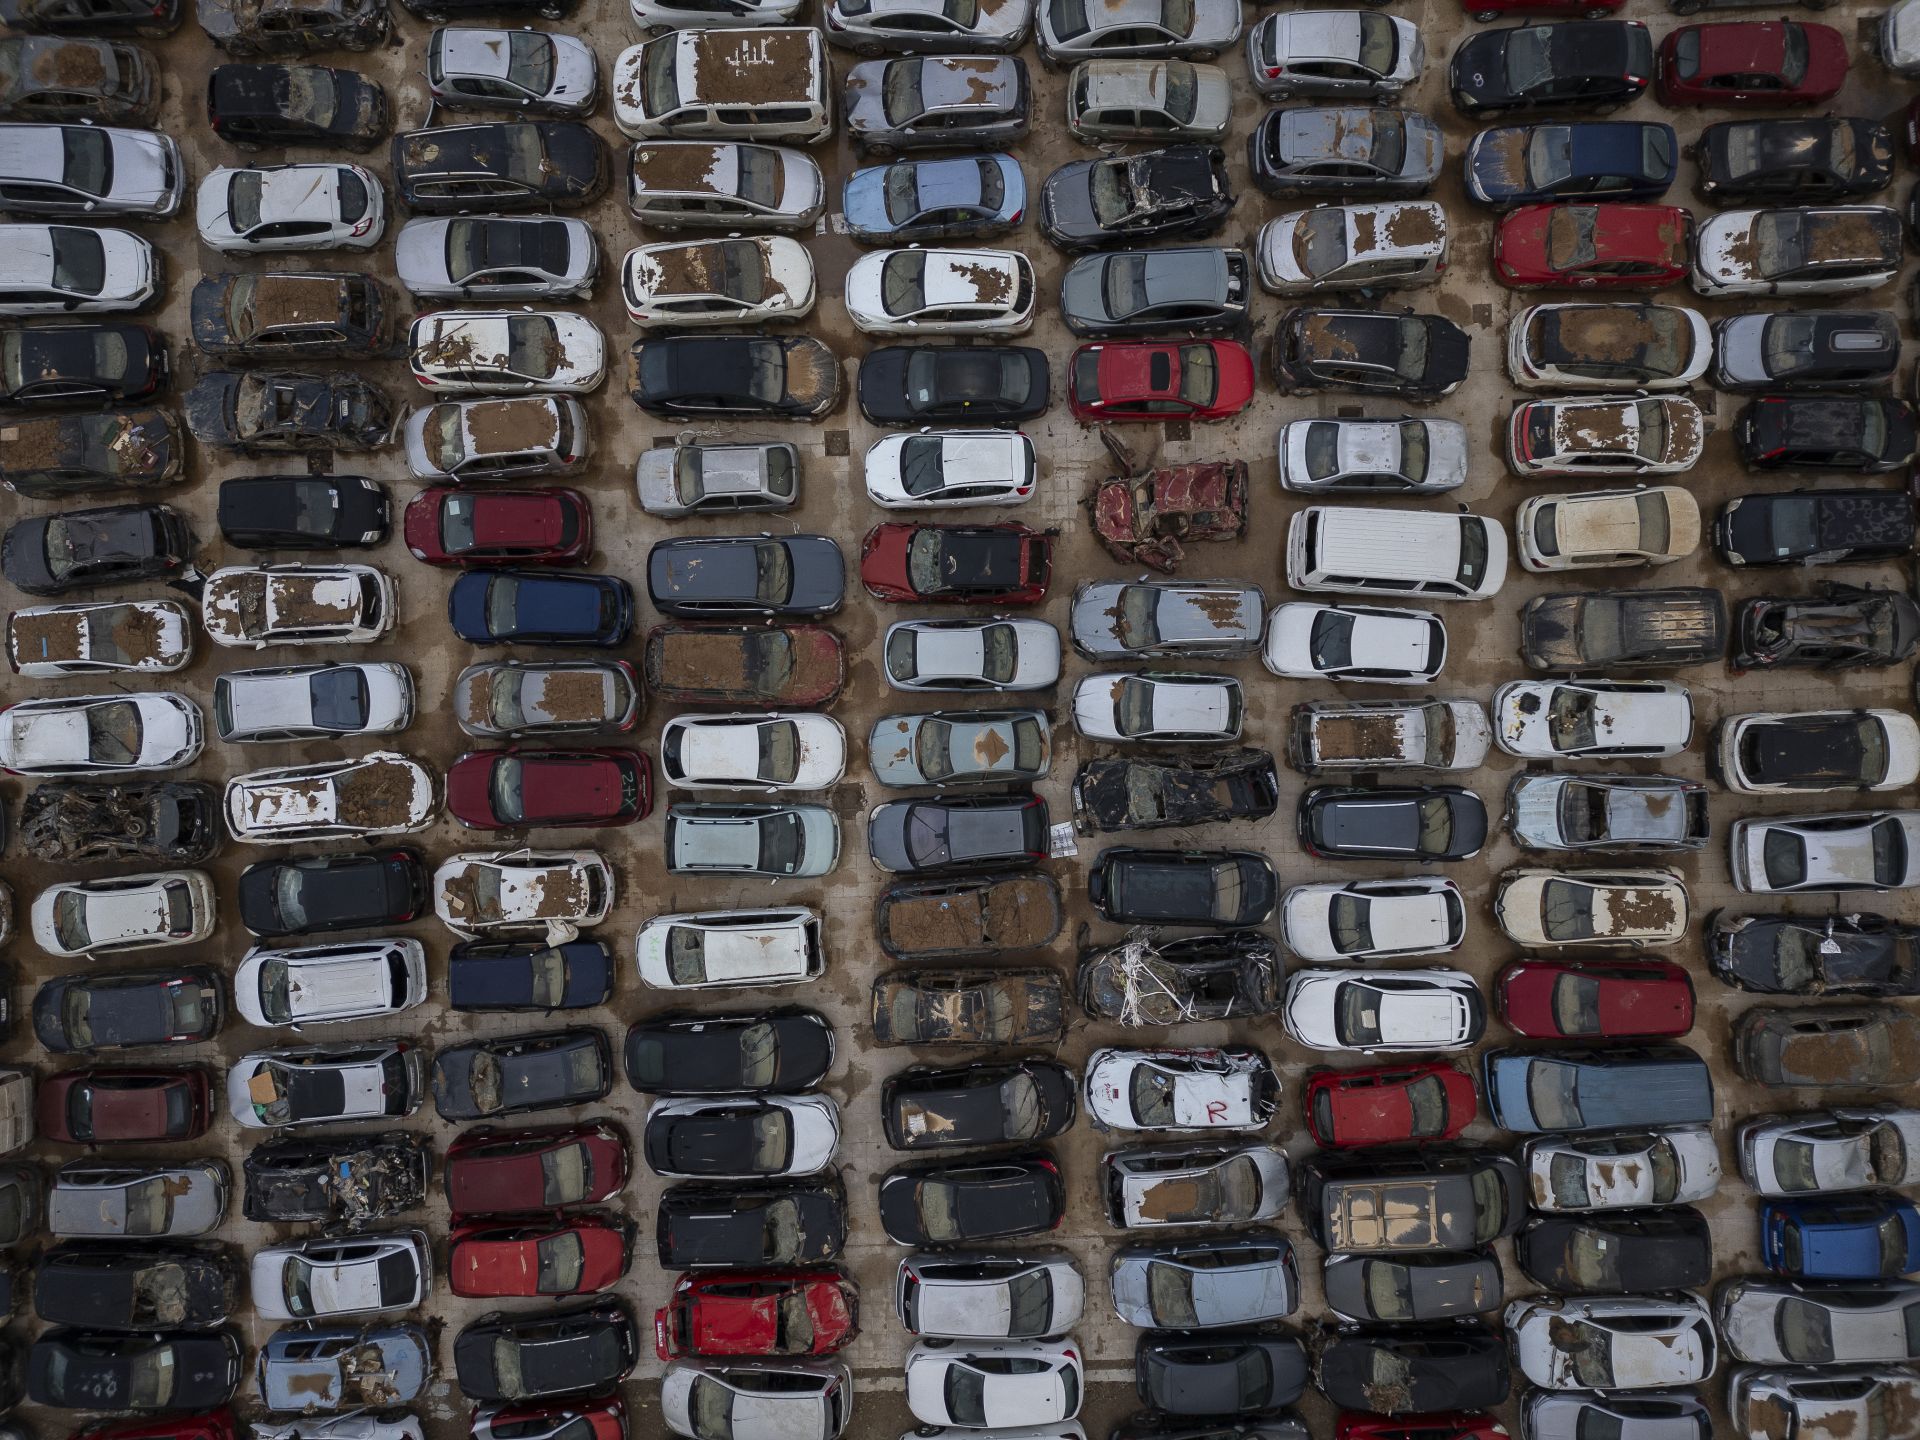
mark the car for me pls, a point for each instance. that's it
(784, 1051)
(1820, 348)
(1311, 640)
(970, 918)
(110, 1200)
(1150, 29)
(101, 734)
(143, 1374)
(1599, 1254)
(497, 257)
(249, 28)
(1751, 62)
(90, 548)
(132, 1287)
(999, 654)
(1674, 1165)
(1004, 564)
(356, 1275)
(968, 1007)
(528, 165)
(1404, 456)
(1595, 529)
(939, 469)
(69, 821)
(774, 665)
(1829, 1151)
(71, 918)
(1228, 1089)
(1225, 1374)
(1376, 1012)
(584, 1349)
(292, 702)
(677, 480)
(297, 206)
(1330, 736)
(1625, 909)
(1814, 527)
(941, 292)
(1837, 627)
(319, 1370)
(1534, 1092)
(61, 78)
(748, 376)
(272, 512)
(1861, 433)
(1192, 288)
(101, 363)
(981, 1295)
(1115, 794)
(766, 1312)
(122, 1106)
(1147, 99)
(1786, 1322)
(1369, 919)
(1434, 822)
(316, 893)
(99, 171)
(1148, 980)
(463, 352)
(494, 1172)
(521, 786)
(1175, 192)
(960, 747)
(1418, 358)
(1584, 719)
(1450, 1200)
(1614, 1343)
(325, 1084)
(741, 1137)
(532, 72)
(1166, 619)
(1589, 64)
(721, 949)
(452, 525)
(529, 607)
(1561, 1000)
(804, 1400)
(928, 102)
(1160, 381)
(1628, 435)
(1158, 706)
(57, 455)
(778, 841)
(702, 1225)
(1776, 954)
(1314, 150)
(1612, 244)
(1388, 1104)
(323, 984)
(1193, 1185)
(1465, 1369)
(514, 1074)
(254, 606)
(1205, 1283)
(1796, 250)
(679, 184)
(743, 280)
(986, 1103)
(1850, 1238)
(497, 893)
(1830, 158)
(67, 270)
(1811, 1398)
(576, 1255)
(1360, 53)
(381, 792)
(959, 198)
(978, 1383)
(347, 1182)
(83, 1014)
(1853, 850)
(1811, 751)
(932, 384)
(1586, 160)
(254, 104)
(1591, 629)
(1232, 888)
(115, 17)
(529, 975)
(1607, 346)
(1365, 1288)
(1833, 1045)
(1630, 813)
(871, 29)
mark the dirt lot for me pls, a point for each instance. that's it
(1484, 645)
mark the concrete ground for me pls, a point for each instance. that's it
(833, 502)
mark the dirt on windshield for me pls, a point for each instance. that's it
(505, 426)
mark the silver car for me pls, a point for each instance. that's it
(1826, 1151)
(1612, 1342)
(756, 1399)
(774, 841)
(872, 27)
(1334, 52)
(1147, 619)
(1659, 1415)
(496, 257)
(92, 1198)
(679, 480)
(1783, 1322)
(979, 1295)
(997, 654)
(960, 747)
(1865, 1403)
(514, 699)
(90, 170)
(1193, 1185)
(1405, 456)
(937, 102)
(1071, 30)
(527, 71)
(1148, 100)
(1204, 1284)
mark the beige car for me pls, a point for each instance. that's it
(1629, 909)
(1650, 525)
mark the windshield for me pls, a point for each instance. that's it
(1529, 58)
(1576, 1005)
(1552, 1094)
(659, 91)
(1199, 374)
(1389, 1290)
(1805, 1331)
(1150, 1090)
(1170, 1295)
(1347, 918)
(900, 92)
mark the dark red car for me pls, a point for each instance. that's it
(770, 1312)
(560, 1257)
(463, 525)
(1614, 245)
(511, 788)
(1160, 380)
(208, 1425)
(1447, 1425)
(100, 1106)
(1556, 1000)
(1751, 62)
(603, 1418)
(1388, 1104)
(491, 1172)
(957, 564)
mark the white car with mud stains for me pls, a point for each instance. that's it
(722, 949)
(141, 637)
(125, 912)
(1592, 719)
(1383, 1012)
(1597, 529)
(1373, 919)
(941, 292)
(503, 352)
(326, 1084)
(330, 983)
(1387, 246)
(1623, 909)
(546, 893)
(1605, 435)
(1233, 1088)
(942, 469)
(1612, 1342)
(1608, 345)
(1797, 250)
(253, 606)
(770, 752)
(1159, 707)
(308, 206)
(739, 281)
(101, 734)
(1622, 1172)
(380, 793)
(1874, 1402)
(497, 439)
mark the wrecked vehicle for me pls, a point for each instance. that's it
(1423, 1200)
(348, 1182)
(1231, 1088)
(797, 666)
(1175, 192)
(57, 78)
(1854, 1045)
(1144, 514)
(133, 1287)
(1686, 625)
(1193, 1185)
(1607, 812)
(988, 1103)
(380, 793)
(552, 893)
(253, 606)
(312, 1371)
(288, 410)
(248, 28)
(1398, 1372)
(1842, 627)
(86, 549)
(1115, 794)
(134, 636)
(521, 165)
(968, 919)
(287, 313)
(49, 457)
(1815, 954)
(1333, 735)
(174, 822)
(968, 1007)
(1145, 980)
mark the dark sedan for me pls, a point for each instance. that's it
(1182, 887)
(1616, 1252)
(301, 512)
(1815, 527)
(519, 1357)
(716, 577)
(767, 1052)
(1227, 1372)
(1867, 955)
(311, 894)
(988, 1103)
(1401, 1372)
(1773, 162)
(1434, 822)
(513, 607)
(1585, 160)
(84, 549)
(708, 377)
(1153, 981)
(704, 1225)
(105, 363)
(518, 1073)
(1179, 192)
(1589, 64)
(528, 975)
(84, 1370)
(287, 410)
(123, 1106)
(958, 833)
(514, 788)
(1393, 1288)
(347, 1181)
(925, 1006)
(949, 1203)
(133, 1287)
(1114, 794)
(85, 1013)
(454, 169)
(953, 384)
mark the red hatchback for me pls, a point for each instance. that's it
(514, 788)
(1160, 380)
(455, 525)
(602, 1419)
(1447, 1425)
(1389, 1104)
(772, 1312)
(505, 1172)
(957, 564)
(1751, 62)
(93, 1107)
(1555, 1000)
(570, 1257)
(1610, 246)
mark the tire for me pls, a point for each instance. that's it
(868, 51)
(1486, 17)
(1204, 56)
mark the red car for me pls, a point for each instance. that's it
(457, 525)
(92, 1107)
(1751, 62)
(772, 1312)
(1160, 380)
(1555, 1000)
(1613, 246)
(208, 1425)
(561, 1257)
(492, 1172)
(1388, 1104)
(1451, 1425)
(511, 788)
(957, 564)
(602, 1419)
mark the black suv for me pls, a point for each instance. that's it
(1429, 822)
(527, 165)
(1815, 527)
(250, 105)
(1862, 433)
(306, 894)
(303, 512)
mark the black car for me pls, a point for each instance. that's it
(133, 1287)
(1180, 192)
(1182, 887)
(521, 1357)
(288, 410)
(1406, 1371)
(1814, 527)
(1147, 980)
(1449, 1284)
(500, 165)
(1774, 162)
(992, 1102)
(250, 105)
(1613, 1252)
(86, 1370)
(528, 975)
(346, 1182)
(283, 314)
(92, 17)
(105, 362)
(766, 1052)
(934, 384)
(517, 1073)
(752, 1226)
(86, 549)
(311, 894)
(438, 12)
(1592, 629)
(22, 1205)
(53, 456)
(962, 832)
(1277, 1426)
(1815, 954)
(967, 1203)
(81, 1012)
(758, 377)
(1429, 822)
(303, 512)
(1114, 794)
(1194, 289)
(257, 28)
(1415, 357)
(176, 822)
(725, 1137)
(1221, 1372)
(1840, 628)
(1588, 64)
(721, 576)
(1816, 750)
(1863, 433)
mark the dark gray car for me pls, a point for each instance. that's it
(1445, 1286)
(1154, 619)
(720, 576)
(47, 77)
(1805, 347)
(962, 833)
(1344, 149)
(1233, 1372)
(926, 102)
(1187, 289)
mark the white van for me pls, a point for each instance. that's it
(766, 83)
(1371, 550)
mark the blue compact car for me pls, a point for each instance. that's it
(523, 607)
(1584, 160)
(972, 197)
(1841, 1237)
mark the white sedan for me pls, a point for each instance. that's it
(725, 948)
(941, 292)
(738, 281)
(1612, 1342)
(995, 1384)
(322, 984)
(313, 206)
(1227, 1089)
(1373, 919)
(342, 1275)
(1370, 1012)
(254, 606)
(125, 636)
(75, 270)
(500, 352)
(101, 734)
(1854, 850)
(1000, 654)
(1604, 719)
(125, 912)
(772, 752)
(1163, 707)
(1308, 641)
(938, 469)
(1797, 250)
(1622, 1172)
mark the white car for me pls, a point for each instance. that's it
(1373, 919)
(1622, 1172)
(497, 439)
(1858, 1400)
(940, 469)
(981, 1295)
(1769, 1321)
(326, 1084)
(1612, 1342)
(987, 1384)
(759, 1399)
(553, 894)
(380, 793)
(75, 270)
(531, 70)
(722, 949)
(738, 281)
(304, 702)
(805, 1140)
(124, 912)
(998, 654)
(1827, 1151)
(1387, 246)
(1855, 850)
(769, 839)
(1166, 1090)
(109, 1200)
(341, 1275)
(1797, 250)
(310, 206)
(1307, 640)
(101, 734)
(322, 984)
(151, 637)
(1194, 1185)
(771, 752)
(1592, 719)
(1163, 707)
(941, 292)
(1608, 346)
(253, 606)
(1383, 1012)
(1334, 52)
(1804, 752)
(103, 170)
(1596, 529)
(497, 257)
(504, 352)
(1605, 435)
(1406, 456)
(1546, 909)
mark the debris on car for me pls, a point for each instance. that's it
(78, 822)
(1146, 980)
(1144, 514)
(964, 919)
(349, 1182)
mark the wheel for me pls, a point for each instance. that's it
(867, 50)
(1203, 56)
(880, 152)
(1597, 12)
(1486, 17)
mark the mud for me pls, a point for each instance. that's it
(71, 66)
(749, 67)
(138, 634)
(1416, 226)
(573, 695)
(1323, 336)
(813, 371)
(990, 284)
(378, 796)
(1359, 737)
(1642, 911)
(48, 636)
(1606, 332)
(504, 426)
(680, 167)
(294, 300)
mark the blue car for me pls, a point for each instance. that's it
(524, 607)
(1841, 1237)
(1585, 160)
(973, 197)
(1534, 1092)
(529, 975)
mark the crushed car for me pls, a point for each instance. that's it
(1149, 980)
(1148, 515)
(174, 822)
